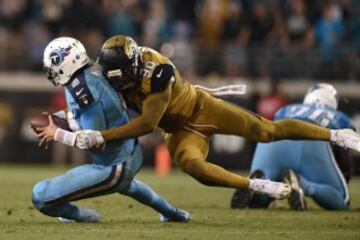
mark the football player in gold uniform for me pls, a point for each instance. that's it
(151, 85)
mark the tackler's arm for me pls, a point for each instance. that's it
(153, 109)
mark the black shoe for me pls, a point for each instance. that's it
(296, 199)
(242, 197)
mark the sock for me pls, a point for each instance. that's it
(333, 136)
(145, 195)
(256, 185)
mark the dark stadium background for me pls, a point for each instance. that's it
(278, 48)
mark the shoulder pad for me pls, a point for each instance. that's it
(79, 90)
(162, 76)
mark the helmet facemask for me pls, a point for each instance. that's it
(51, 75)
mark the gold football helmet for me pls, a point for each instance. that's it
(119, 57)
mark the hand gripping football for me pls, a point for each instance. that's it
(43, 121)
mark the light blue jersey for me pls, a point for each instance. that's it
(97, 106)
(312, 161)
(318, 114)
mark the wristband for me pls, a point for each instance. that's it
(65, 137)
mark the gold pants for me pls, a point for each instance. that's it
(189, 147)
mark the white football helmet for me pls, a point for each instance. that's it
(322, 93)
(63, 56)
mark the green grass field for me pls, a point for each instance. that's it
(123, 218)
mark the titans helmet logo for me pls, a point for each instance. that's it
(57, 56)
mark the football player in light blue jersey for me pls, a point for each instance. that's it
(309, 166)
(94, 105)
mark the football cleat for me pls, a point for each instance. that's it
(296, 199)
(180, 216)
(242, 197)
(277, 190)
(346, 138)
(85, 216)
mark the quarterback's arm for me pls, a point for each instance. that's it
(153, 109)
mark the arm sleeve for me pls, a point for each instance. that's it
(153, 109)
(162, 77)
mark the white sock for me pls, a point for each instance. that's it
(333, 137)
(256, 184)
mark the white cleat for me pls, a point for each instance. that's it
(346, 138)
(272, 189)
(297, 197)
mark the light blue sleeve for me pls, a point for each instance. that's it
(342, 120)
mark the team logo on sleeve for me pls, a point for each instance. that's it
(57, 56)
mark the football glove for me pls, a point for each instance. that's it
(89, 140)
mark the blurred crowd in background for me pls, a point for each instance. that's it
(212, 42)
(232, 38)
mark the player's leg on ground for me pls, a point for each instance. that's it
(321, 178)
(145, 195)
(325, 195)
(273, 159)
(52, 196)
(234, 120)
(269, 162)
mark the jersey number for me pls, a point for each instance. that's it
(146, 71)
(319, 116)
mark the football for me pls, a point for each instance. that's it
(43, 121)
